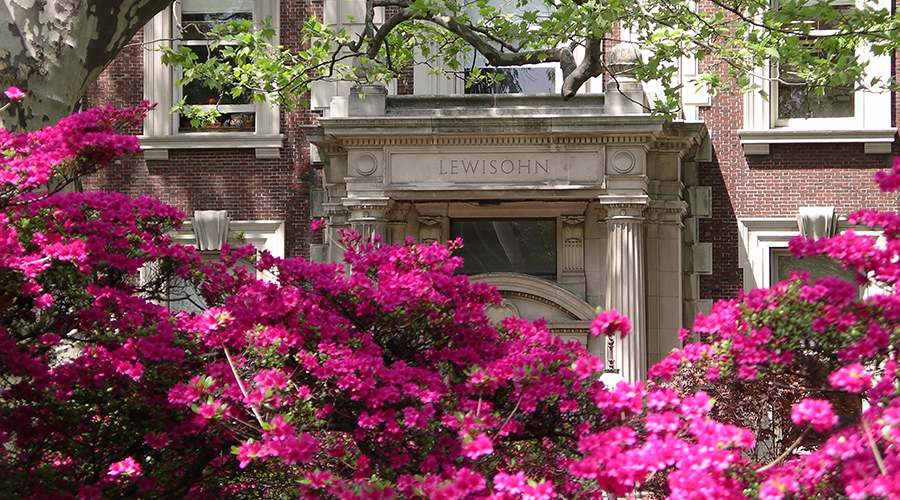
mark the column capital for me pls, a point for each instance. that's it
(335, 210)
(573, 219)
(618, 199)
(624, 207)
(368, 215)
(667, 211)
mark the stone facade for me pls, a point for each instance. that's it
(656, 219)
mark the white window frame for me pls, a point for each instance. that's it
(870, 124)
(426, 83)
(825, 122)
(179, 91)
(262, 234)
(758, 237)
(161, 127)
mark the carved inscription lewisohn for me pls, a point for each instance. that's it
(493, 166)
(542, 169)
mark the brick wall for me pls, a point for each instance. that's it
(775, 185)
(218, 179)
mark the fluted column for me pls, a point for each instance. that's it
(368, 206)
(625, 284)
(369, 219)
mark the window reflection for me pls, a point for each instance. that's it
(525, 246)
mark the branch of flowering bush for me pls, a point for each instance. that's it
(390, 381)
(874, 447)
(240, 384)
(77, 146)
(13, 94)
(790, 449)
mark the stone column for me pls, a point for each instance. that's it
(368, 206)
(625, 283)
(368, 218)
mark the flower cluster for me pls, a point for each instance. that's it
(381, 377)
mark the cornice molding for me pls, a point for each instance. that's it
(482, 139)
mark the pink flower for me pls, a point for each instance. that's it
(248, 451)
(512, 484)
(609, 322)
(44, 301)
(775, 488)
(127, 467)
(815, 412)
(14, 94)
(208, 410)
(852, 378)
(156, 441)
(477, 447)
(318, 478)
(316, 225)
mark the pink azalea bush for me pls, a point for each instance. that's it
(381, 377)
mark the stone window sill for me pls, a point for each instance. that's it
(266, 146)
(877, 141)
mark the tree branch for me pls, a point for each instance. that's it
(591, 66)
(381, 35)
(493, 55)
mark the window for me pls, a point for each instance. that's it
(264, 235)
(514, 80)
(783, 264)
(795, 99)
(249, 124)
(526, 246)
(796, 113)
(765, 259)
(197, 17)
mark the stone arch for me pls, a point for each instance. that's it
(529, 297)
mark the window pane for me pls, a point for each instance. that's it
(204, 6)
(796, 99)
(199, 16)
(526, 80)
(227, 122)
(801, 101)
(197, 93)
(508, 245)
(784, 263)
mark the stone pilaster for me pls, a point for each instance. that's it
(572, 277)
(336, 216)
(396, 225)
(431, 229)
(665, 267)
(625, 284)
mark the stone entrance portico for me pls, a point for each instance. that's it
(613, 183)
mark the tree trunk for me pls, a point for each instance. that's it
(54, 49)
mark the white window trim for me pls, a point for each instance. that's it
(160, 128)
(870, 125)
(262, 234)
(758, 237)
